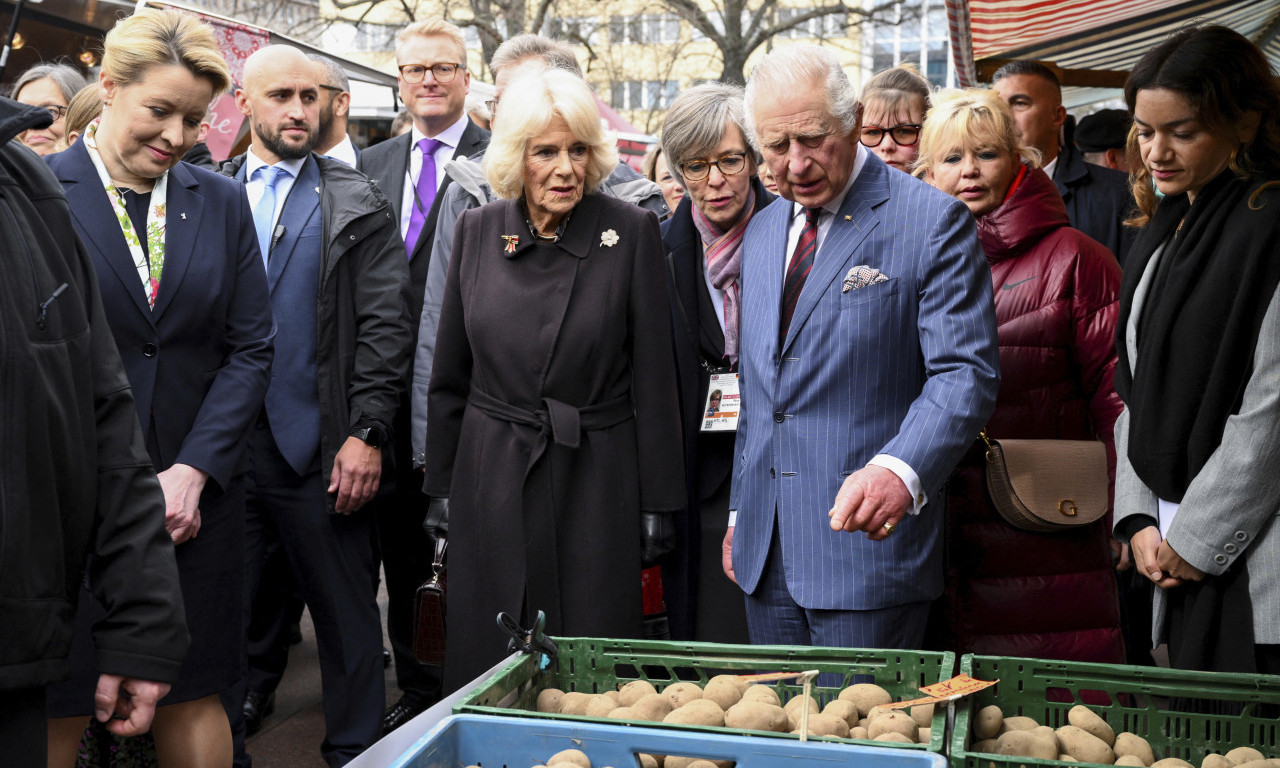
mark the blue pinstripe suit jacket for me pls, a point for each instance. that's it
(908, 367)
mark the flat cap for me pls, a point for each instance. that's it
(1103, 130)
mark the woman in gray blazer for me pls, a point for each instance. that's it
(1198, 444)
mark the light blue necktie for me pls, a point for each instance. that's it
(264, 212)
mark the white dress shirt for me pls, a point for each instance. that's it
(449, 139)
(344, 152)
(254, 187)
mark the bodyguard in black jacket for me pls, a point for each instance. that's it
(75, 477)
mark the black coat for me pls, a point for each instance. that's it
(553, 423)
(1098, 200)
(73, 466)
(708, 457)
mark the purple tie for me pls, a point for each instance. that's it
(424, 193)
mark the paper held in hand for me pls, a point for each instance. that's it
(947, 690)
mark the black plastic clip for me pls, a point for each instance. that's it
(530, 640)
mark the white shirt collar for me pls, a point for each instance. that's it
(450, 136)
(252, 163)
(833, 205)
(344, 152)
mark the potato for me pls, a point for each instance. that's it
(1024, 743)
(599, 706)
(924, 736)
(1172, 762)
(866, 696)
(653, 707)
(625, 713)
(922, 714)
(1134, 745)
(701, 764)
(895, 722)
(756, 716)
(680, 694)
(648, 761)
(879, 711)
(1087, 720)
(845, 710)
(697, 712)
(1214, 760)
(988, 722)
(682, 761)
(734, 680)
(574, 703)
(549, 700)
(990, 746)
(570, 757)
(614, 697)
(828, 725)
(761, 693)
(633, 691)
(723, 692)
(1067, 759)
(863, 723)
(1241, 755)
(1133, 760)
(895, 737)
(858, 732)
(793, 707)
(1018, 724)
(1264, 763)
(1084, 746)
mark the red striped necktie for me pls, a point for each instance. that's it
(798, 268)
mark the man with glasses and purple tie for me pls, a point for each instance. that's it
(338, 284)
(434, 82)
(867, 346)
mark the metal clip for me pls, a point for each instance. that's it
(1067, 507)
(530, 640)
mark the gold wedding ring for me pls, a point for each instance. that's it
(888, 527)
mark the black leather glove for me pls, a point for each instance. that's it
(657, 536)
(436, 523)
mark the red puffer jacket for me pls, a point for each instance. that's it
(1013, 592)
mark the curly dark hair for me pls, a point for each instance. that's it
(1224, 77)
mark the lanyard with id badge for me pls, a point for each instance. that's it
(721, 407)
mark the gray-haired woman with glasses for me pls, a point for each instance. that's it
(705, 138)
(51, 86)
(894, 104)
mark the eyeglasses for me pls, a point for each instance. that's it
(443, 73)
(56, 110)
(491, 105)
(904, 135)
(729, 165)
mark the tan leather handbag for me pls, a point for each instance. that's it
(1047, 485)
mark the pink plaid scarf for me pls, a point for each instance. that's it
(724, 264)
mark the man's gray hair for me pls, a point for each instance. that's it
(794, 67)
(556, 54)
(697, 120)
(337, 76)
(66, 77)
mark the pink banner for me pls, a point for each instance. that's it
(237, 41)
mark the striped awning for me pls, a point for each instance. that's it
(1092, 35)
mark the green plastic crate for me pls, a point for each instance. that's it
(595, 665)
(1134, 699)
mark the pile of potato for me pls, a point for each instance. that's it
(576, 758)
(1087, 739)
(860, 712)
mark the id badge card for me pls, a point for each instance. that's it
(720, 410)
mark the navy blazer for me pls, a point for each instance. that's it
(907, 367)
(200, 360)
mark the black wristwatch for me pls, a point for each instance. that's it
(372, 436)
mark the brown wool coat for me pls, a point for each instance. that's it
(545, 511)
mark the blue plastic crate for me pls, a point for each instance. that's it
(511, 742)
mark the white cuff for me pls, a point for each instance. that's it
(733, 517)
(908, 477)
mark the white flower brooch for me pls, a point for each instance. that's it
(608, 238)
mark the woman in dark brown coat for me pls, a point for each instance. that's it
(552, 410)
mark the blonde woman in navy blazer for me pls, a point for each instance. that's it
(196, 340)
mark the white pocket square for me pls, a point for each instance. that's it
(861, 277)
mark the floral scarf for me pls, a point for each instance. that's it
(149, 262)
(724, 264)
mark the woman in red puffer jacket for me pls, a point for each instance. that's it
(1012, 592)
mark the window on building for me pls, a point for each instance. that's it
(650, 28)
(914, 31)
(644, 94)
(572, 29)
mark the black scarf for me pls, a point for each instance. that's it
(1198, 328)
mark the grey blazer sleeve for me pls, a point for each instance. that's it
(1133, 497)
(456, 201)
(1237, 492)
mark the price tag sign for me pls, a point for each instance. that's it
(947, 690)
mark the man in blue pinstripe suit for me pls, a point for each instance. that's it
(869, 363)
